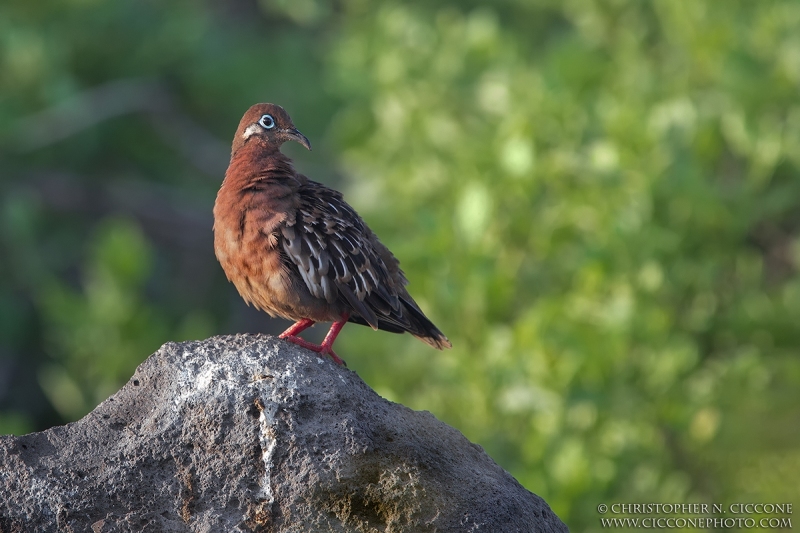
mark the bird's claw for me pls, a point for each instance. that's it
(321, 349)
(336, 359)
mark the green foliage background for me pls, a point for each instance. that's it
(598, 202)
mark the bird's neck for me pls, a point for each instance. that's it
(256, 162)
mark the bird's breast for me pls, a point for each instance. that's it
(246, 247)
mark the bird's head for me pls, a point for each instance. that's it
(270, 124)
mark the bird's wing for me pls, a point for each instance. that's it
(335, 253)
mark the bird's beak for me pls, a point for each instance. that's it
(295, 135)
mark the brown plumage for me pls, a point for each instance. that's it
(295, 249)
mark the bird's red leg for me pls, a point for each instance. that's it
(327, 345)
(297, 327)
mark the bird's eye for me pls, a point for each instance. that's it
(267, 122)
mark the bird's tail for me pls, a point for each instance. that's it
(407, 317)
(423, 329)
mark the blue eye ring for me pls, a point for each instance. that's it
(267, 122)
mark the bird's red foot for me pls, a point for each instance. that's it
(326, 348)
(329, 351)
(320, 349)
(336, 359)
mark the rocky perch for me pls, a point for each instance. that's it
(250, 433)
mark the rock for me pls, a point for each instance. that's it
(250, 433)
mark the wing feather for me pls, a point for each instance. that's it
(332, 250)
(341, 261)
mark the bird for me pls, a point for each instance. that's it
(294, 248)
